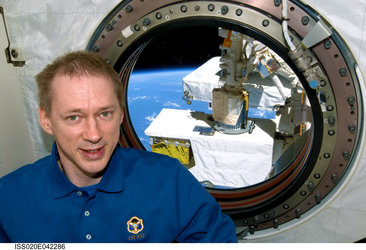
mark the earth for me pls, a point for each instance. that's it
(150, 91)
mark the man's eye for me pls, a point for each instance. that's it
(73, 117)
(106, 114)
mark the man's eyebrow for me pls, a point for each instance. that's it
(79, 110)
(73, 111)
(108, 107)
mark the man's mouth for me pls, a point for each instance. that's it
(93, 154)
(92, 151)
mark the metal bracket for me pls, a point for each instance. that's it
(318, 33)
(13, 55)
(242, 232)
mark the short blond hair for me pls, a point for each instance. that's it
(77, 63)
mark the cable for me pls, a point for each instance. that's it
(285, 26)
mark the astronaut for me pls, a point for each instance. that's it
(92, 190)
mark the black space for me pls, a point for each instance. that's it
(183, 47)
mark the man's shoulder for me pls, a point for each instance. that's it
(146, 161)
(26, 173)
(133, 154)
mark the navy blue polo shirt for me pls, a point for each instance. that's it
(142, 197)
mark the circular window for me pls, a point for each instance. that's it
(304, 136)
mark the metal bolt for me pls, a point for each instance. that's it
(310, 185)
(129, 9)
(109, 27)
(158, 15)
(352, 129)
(14, 53)
(326, 155)
(298, 213)
(146, 22)
(330, 107)
(255, 220)
(238, 12)
(197, 8)
(327, 44)
(346, 155)
(331, 132)
(351, 100)
(334, 178)
(318, 198)
(286, 206)
(303, 193)
(137, 27)
(251, 229)
(275, 224)
(224, 10)
(119, 43)
(331, 120)
(305, 20)
(317, 176)
(211, 7)
(183, 8)
(323, 83)
(277, 2)
(265, 23)
(343, 71)
(266, 216)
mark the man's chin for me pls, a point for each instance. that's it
(93, 168)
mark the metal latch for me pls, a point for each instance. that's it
(13, 55)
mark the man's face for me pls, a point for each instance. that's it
(85, 120)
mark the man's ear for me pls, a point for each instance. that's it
(44, 121)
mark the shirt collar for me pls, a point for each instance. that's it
(111, 182)
(61, 186)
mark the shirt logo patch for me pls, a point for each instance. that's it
(135, 225)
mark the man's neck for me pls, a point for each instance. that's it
(79, 178)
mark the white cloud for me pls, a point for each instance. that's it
(132, 99)
(171, 104)
(142, 139)
(151, 118)
(259, 112)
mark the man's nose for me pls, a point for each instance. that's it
(92, 132)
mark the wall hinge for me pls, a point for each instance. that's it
(13, 55)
